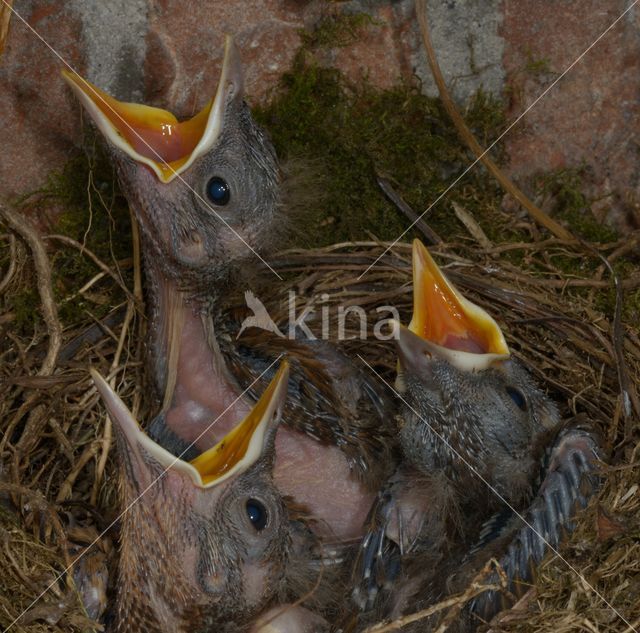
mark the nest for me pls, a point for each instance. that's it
(588, 363)
(57, 485)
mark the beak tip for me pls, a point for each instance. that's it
(68, 77)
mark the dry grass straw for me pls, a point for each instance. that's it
(57, 490)
(5, 20)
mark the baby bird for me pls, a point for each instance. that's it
(471, 411)
(473, 432)
(517, 541)
(206, 193)
(205, 545)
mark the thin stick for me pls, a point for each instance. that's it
(5, 19)
(12, 264)
(431, 236)
(43, 272)
(93, 257)
(467, 136)
(461, 599)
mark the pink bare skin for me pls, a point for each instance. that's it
(207, 403)
(289, 618)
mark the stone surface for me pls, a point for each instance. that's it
(465, 35)
(185, 47)
(592, 116)
(39, 121)
(467, 40)
(168, 53)
(114, 44)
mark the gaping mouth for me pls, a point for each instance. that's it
(232, 455)
(449, 326)
(153, 136)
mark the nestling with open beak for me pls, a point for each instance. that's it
(473, 433)
(470, 409)
(202, 191)
(205, 545)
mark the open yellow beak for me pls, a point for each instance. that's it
(243, 444)
(448, 321)
(153, 136)
(234, 454)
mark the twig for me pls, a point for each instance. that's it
(43, 273)
(454, 602)
(91, 335)
(12, 264)
(431, 236)
(472, 226)
(67, 485)
(627, 390)
(93, 257)
(467, 136)
(39, 503)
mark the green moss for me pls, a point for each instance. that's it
(563, 191)
(569, 203)
(631, 307)
(537, 66)
(335, 30)
(94, 214)
(25, 306)
(606, 299)
(356, 131)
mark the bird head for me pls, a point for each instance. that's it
(204, 541)
(460, 381)
(203, 188)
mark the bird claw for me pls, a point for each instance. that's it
(378, 562)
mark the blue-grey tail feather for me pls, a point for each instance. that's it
(570, 481)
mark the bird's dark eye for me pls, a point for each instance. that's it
(218, 191)
(257, 514)
(518, 397)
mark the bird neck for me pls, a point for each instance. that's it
(153, 594)
(191, 373)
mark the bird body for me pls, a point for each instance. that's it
(473, 432)
(510, 546)
(200, 202)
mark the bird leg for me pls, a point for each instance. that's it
(410, 517)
